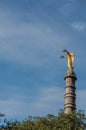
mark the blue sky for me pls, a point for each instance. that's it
(33, 34)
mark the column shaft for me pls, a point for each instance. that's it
(70, 93)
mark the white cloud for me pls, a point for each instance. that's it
(28, 43)
(81, 102)
(79, 26)
(47, 100)
(67, 7)
(49, 96)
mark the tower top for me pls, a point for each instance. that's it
(71, 75)
(70, 57)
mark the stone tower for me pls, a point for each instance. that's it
(70, 89)
(70, 92)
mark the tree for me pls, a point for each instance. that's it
(74, 121)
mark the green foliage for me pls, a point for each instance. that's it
(74, 121)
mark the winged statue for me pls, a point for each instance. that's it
(70, 57)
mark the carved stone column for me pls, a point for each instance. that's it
(70, 92)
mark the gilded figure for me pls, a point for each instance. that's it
(70, 57)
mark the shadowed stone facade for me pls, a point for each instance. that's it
(70, 92)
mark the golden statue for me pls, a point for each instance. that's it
(70, 58)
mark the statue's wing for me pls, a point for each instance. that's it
(72, 57)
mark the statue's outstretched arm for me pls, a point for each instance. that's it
(66, 51)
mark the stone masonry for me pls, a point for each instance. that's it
(70, 92)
